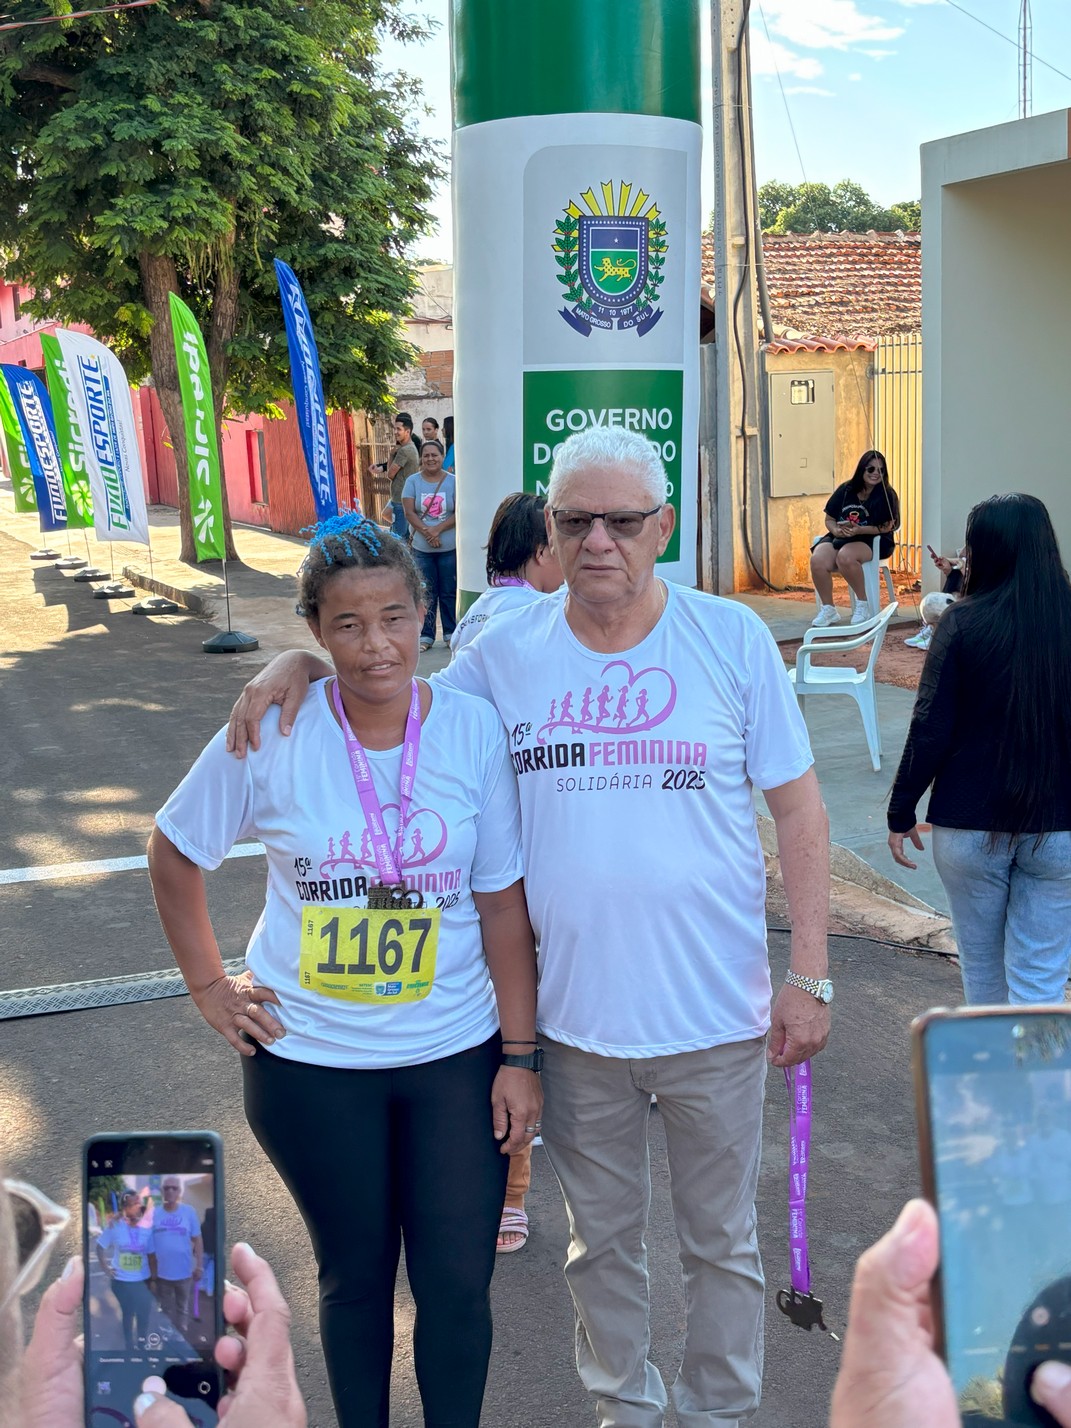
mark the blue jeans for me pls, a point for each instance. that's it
(399, 525)
(1011, 911)
(439, 569)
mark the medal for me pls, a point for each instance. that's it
(393, 897)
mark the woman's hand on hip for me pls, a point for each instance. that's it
(516, 1107)
(896, 846)
(233, 1005)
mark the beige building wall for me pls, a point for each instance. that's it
(794, 521)
(996, 314)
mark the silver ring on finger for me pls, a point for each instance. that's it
(251, 1010)
(530, 1130)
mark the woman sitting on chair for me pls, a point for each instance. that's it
(858, 510)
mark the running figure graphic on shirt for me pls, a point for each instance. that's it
(425, 834)
(644, 700)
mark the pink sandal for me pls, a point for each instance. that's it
(513, 1222)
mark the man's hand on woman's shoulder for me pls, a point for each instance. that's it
(284, 681)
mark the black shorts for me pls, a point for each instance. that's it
(885, 549)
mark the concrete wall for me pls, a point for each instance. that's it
(794, 521)
(996, 313)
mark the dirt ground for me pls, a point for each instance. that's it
(897, 662)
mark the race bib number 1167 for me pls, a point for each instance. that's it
(378, 957)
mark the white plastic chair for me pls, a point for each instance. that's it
(809, 678)
(873, 572)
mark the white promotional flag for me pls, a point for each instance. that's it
(100, 394)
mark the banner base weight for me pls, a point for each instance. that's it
(230, 642)
(70, 562)
(45, 554)
(92, 572)
(154, 605)
(114, 590)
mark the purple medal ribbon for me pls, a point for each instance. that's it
(799, 1304)
(798, 1080)
(388, 859)
(500, 581)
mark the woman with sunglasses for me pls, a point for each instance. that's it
(858, 510)
(390, 992)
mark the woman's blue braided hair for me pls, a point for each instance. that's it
(350, 541)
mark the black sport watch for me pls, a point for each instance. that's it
(532, 1062)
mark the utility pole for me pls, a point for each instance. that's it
(1026, 61)
(734, 486)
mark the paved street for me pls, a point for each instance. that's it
(101, 714)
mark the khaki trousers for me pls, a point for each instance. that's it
(595, 1116)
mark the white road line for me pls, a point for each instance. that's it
(56, 872)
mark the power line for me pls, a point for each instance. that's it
(784, 97)
(77, 14)
(1001, 35)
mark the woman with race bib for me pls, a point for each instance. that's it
(389, 996)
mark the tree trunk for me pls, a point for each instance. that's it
(159, 280)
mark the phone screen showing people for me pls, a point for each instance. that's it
(999, 1099)
(154, 1277)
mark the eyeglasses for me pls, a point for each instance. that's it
(38, 1224)
(619, 525)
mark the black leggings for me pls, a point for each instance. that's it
(372, 1157)
(135, 1305)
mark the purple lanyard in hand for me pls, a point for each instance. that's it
(800, 1304)
(388, 859)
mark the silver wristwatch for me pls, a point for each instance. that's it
(819, 987)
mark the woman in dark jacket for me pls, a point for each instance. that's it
(991, 731)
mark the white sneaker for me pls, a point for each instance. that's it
(921, 641)
(827, 615)
(861, 613)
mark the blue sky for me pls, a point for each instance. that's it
(866, 82)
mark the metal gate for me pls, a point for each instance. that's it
(898, 433)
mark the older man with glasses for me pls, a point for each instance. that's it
(641, 717)
(179, 1253)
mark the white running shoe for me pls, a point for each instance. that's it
(827, 615)
(861, 613)
(921, 641)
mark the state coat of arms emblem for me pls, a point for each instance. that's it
(611, 253)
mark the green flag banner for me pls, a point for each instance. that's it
(76, 487)
(18, 460)
(202, 448)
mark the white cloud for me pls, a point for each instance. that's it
(878, 54)
(809, 89)
(855, 78)
(827, 24)
(769, 57)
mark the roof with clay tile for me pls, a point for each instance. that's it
(836, 289)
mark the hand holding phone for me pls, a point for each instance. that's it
(153, 1216)
(994, 1098)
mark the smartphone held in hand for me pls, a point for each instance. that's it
(153, 1246)
(993, 1086)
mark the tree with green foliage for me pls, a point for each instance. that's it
(179, 148)
(844, 208)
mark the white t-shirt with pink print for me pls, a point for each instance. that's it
(643, 870)
(296, 795)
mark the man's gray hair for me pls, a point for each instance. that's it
(603, 446)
